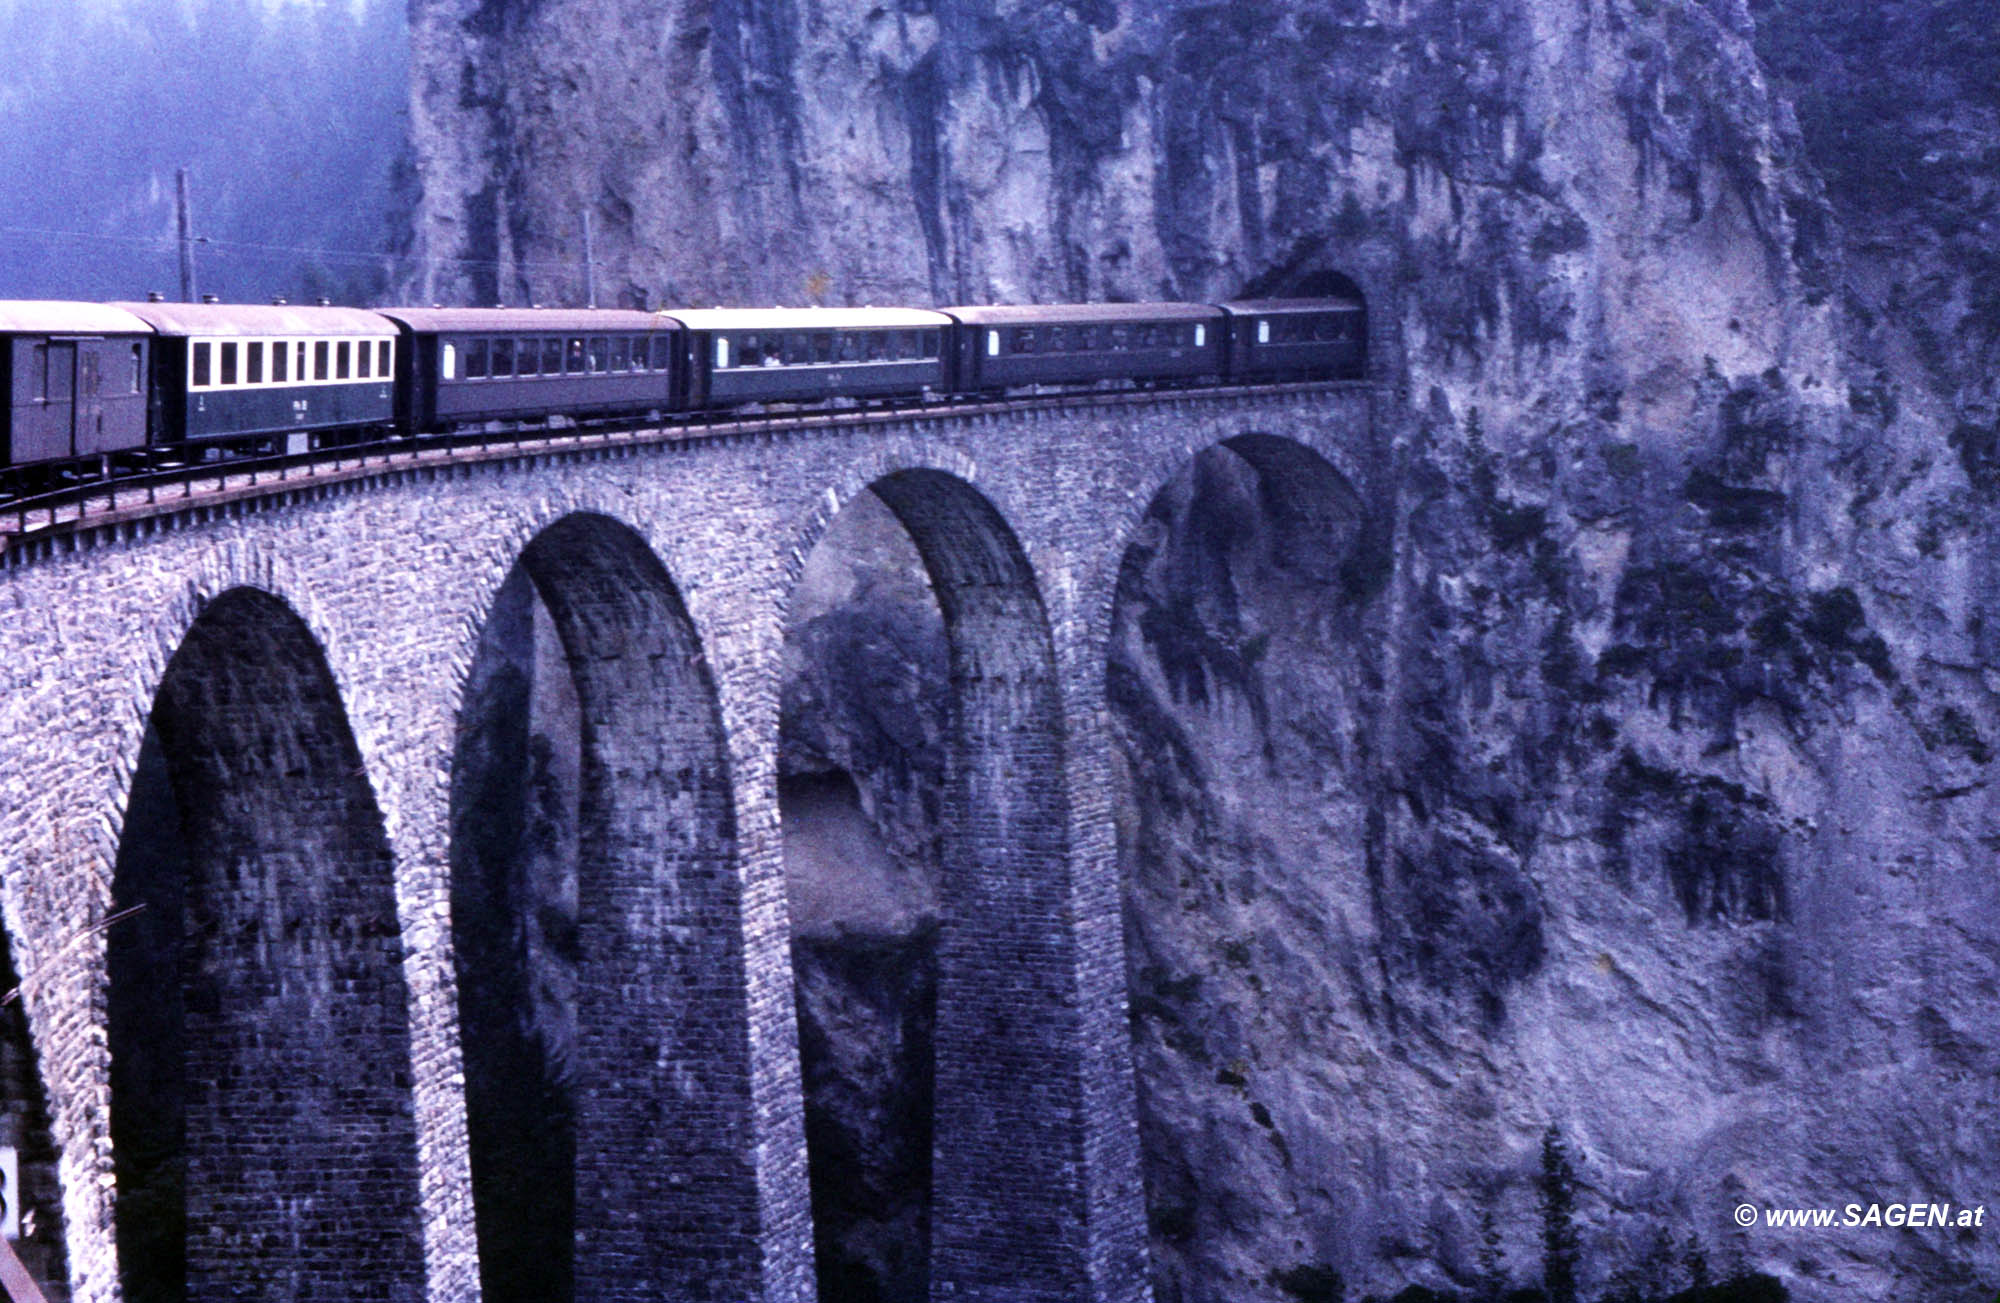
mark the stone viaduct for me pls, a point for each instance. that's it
(240, 720)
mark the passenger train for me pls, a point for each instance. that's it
(88, 390)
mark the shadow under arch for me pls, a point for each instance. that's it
(1236, 679)
(1008, 1217)
(34, 1197)
(598, 938)
(263, 1129)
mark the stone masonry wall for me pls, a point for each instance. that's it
(394, 578)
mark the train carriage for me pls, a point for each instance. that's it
(527, 364)
(1303, 339)
(777, 355)
(1060, 344)
(72, 381)
(226, 371)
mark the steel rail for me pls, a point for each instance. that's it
(138, 495)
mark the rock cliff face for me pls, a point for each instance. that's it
(1628, 770)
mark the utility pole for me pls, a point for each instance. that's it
(187, 237)
(589, 266)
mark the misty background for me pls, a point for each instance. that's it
(291, 116)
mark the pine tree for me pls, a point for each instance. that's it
(1492, 1260)
(1559, 1240)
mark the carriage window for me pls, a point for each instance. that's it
(1263, 332)
(281, 357)
(822, 347)
(138, 368)
(475, 359)
(878, 345)
(598, 352)
(850, 346)
(448, 361)
(384, 352)
(1201, 336)
(198, 371)
(502, 360)
(228, 367)
(931, 343)
(1058, 340)
(721, 351)
(253, 363)
(301, 370)
(993, 343)
(1120, 336)
(362, 355)
(527, 356)
(343, 359)
(552, 353)
(1024, 339)
(662, 358)
(621, 353)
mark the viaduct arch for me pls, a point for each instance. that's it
(661, 570)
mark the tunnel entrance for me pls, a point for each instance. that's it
(262, 1126)
(598, 939)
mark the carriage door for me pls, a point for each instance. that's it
(62, 395)
(89, 397)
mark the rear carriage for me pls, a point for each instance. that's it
(72, 383)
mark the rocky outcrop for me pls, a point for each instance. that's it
(1627, 768)
(861, 760)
